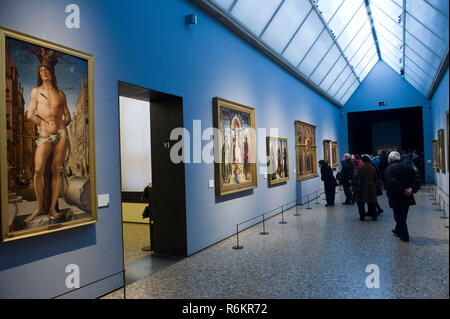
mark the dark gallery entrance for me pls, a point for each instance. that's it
(375, 131)
(150, 179)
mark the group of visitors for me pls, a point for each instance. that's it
(363, 177)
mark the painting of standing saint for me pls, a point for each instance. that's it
(278, 164)
(305, 150)
(47, 144)
(235, 164)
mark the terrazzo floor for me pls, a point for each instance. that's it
(321, 254)
(135, 236)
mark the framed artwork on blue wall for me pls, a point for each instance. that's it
(447, 127)
(47, 153)
(435, 154)
(235, 163)
(441, 142)
(278, 160)
(305, 150)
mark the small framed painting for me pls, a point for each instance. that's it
(278, 160)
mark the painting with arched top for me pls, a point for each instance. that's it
(305, 150)
(235, 163)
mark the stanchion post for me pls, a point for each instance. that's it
(282, 216)
(237, 239)
(309, 207)
(264, 227)
(296, 209)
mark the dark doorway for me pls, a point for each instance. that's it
(167, 199)
(395, 128)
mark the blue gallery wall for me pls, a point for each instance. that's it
(439, 105)
(148, 44)
(384, 84)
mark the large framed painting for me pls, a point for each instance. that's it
(441, 143)
(334, 155)
(235, 144)
(447, 127)
(47, 158)
(305, 150)
(326, 151)
(435, 154)
(278, 160)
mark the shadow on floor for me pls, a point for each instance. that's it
(148, 265)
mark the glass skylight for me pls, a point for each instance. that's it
(331, 42)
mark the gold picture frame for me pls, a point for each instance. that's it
(326, 151)
(441, 143)
(278, 160)
(235, 145)
(334, 155)
(447, 127)
(306, 156)
(435, 154)
(22, 214)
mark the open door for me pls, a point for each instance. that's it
(167, 194)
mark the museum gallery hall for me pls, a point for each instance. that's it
(224, 149)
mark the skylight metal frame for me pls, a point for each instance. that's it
(322, 51)
(314, 5)
(225, 17)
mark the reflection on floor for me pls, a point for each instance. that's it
(135, 236)
(321, 254)
(138, 263)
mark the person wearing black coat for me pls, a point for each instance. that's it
(329, 182)
(347, 173)
(401, 182)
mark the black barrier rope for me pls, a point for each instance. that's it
(264, 232)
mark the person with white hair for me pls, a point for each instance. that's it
(401, 183)
(347, 173)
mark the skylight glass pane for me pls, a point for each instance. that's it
(333, 74)
(316, 53)
(353, 27)
(393, 63)
(368, 67)
(325, 65)
(328, 8)
(255, 14)
(339, 81)
(391, 8)
(367, 57)
(387, 21)
(344, 88)
(304, 39)
(359, 55)
(440, 5)
(285, 23)
(423, 51)
(343, 15)
(226, 4)
(429, 16)
(416, 85)
(350, 92)
(425, 36)
(389, 49)
(425, 65)
(426, 78)
(383, 33)
(356, 43)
